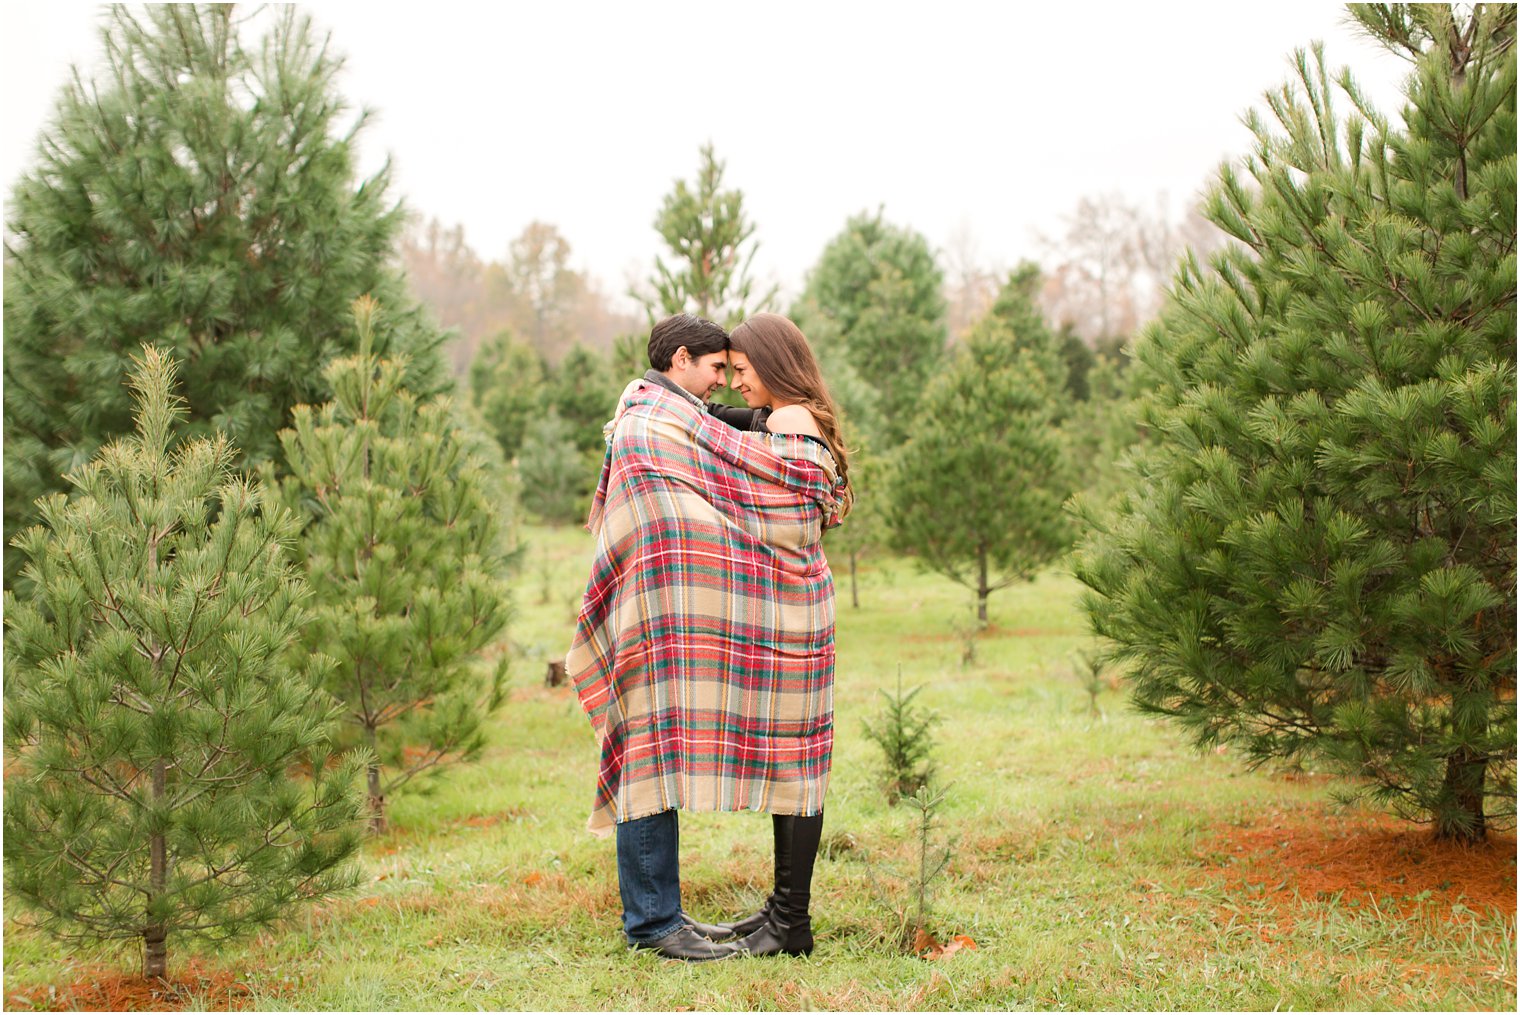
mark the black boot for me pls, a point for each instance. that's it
(788, 928)
(783, 866)
(751, 923)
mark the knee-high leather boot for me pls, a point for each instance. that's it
(757, 919)
(788, 926)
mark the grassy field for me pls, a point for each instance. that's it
(1097, 862)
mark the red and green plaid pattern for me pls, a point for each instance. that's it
(704, 652)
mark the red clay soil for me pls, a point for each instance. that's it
(192, 983)
(1368, 861)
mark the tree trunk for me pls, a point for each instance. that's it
(982, 591)
(1462, 792)
(854, 587)
(155, 953)
(155, 935)
(376, 797)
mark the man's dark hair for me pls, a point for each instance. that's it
(700, 336)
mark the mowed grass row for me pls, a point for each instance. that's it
(1086, 866)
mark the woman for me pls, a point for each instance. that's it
(774, 369)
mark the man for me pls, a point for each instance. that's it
(703, 651)
(689, 356)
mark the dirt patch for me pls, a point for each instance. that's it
(538, 692)
(397, 839)
(490, 820)
(194, 984)
(1370, 862)
(540, 895)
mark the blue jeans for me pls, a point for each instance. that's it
(649, 876)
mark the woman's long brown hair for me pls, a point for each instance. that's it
(784, 362)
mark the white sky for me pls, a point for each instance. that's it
(959, 117)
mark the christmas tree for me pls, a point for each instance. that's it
(1318, 560)
(584, 392)
(874, 302)
(507, 381)
(201, 195)
(400, 542)
(978, 488)
(556, 477)
(152, 714)
(711, 245)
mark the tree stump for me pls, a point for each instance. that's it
(555, 677)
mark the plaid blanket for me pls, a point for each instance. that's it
(704, 650)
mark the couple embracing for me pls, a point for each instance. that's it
(704, 650)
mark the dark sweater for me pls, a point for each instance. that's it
(738, 417)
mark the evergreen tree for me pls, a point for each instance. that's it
(1319, 556)
(558, 478)
(1081, 360)
(711, 246)
(1100, 431)
(630, 356)
(152, 716)
(202, 195)
(582, 390)
(978, 488)
(866, 527)
(1062, 355)
(1015, 312)
(877, 293)
(507, 385)
(1091, 403)
(401, 546)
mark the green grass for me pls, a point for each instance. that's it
(1082, 863)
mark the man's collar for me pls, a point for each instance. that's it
(659, 378)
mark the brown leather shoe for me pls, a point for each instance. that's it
(711, 931)
(685, 944)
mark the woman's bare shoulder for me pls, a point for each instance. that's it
(793, 419)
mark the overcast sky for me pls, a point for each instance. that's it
(979, 118)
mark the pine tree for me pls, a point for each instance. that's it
(1319, 558)
(712, 247)
(978, 488)
(582, 390)
(905, 733)
(1015, 312)
(866, 527)
(557, 478)
(201, 195)
(507, 385)
(401, 546)
(1101, 429)
(877, 293)
(152, 713)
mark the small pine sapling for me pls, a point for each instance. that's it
(911, 904)
(903, 731)
(1090, 668)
